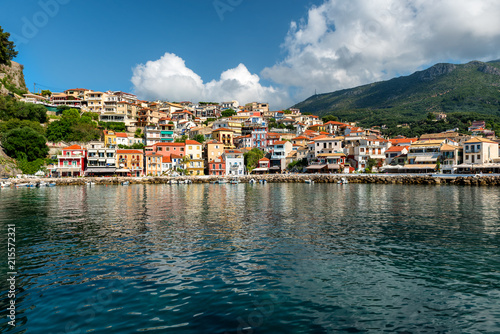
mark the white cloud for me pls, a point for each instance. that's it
(170, 78)
(343, 44)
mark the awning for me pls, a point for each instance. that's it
(100, 170)
(316, 166)
(275, 168)
(333, 166)
(424, 159)
(260, 169)
(422, 166)
(123, 170)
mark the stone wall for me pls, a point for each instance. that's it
(289, 178)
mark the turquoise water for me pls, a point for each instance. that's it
(275, 258)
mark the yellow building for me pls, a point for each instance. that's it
(153, 164)
(95, 101)
(109, 138)
(225, 136)
(130, 162)
(194, 152)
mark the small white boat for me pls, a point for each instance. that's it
(252, 181)
(221, 181)
(308, 181)
(90, 184)
(125, 183)
(234, 181)
(5, 184)
(262, 181)
(22, 185)
(343, 181)
(51, 184)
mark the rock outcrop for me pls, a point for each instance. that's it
(11, 76)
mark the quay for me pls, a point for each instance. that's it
(428, 179)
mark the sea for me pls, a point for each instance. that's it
(261, 258)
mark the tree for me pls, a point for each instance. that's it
(138, 133)
(46, 92)
(228, 113)
(10, 108)
(7, 51)
(72, 127)
(199, 138)
(181, 139)
(15, 123)
(252, 157)
(329, 118)
(25, 143)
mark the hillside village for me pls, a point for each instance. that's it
(209, 138)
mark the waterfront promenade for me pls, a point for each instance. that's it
(427, 179)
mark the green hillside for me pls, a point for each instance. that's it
(448, 88)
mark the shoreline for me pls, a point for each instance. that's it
(477, 180)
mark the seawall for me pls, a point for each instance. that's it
(480, 180)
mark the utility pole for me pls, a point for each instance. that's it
(34, 88)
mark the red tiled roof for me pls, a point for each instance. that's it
(321, 137)
(222, 129)
(166, 159)
(175, 156)
(279, 142)
(396, 148)
(121, 134)
(335, 123)
(169, 144)
(128, 152)
(192, 142)
(264, 159)
(402, 140)
(73, 147)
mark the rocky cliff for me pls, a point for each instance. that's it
(12, 79)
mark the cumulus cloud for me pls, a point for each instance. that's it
(170, 78)
(343, 44)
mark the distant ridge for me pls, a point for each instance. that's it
(443, 87)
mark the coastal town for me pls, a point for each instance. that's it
(212, 138)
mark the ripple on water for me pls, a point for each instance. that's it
(206, 259)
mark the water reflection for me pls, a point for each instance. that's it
(206, 258)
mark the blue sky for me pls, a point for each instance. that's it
(249, 50)
(96, 44)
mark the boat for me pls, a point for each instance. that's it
(22, 185)
(262, 181)
(51, 184)
(90, 184)
(125, 183)
(343, 181)
(234, 181)
(252, 181)
(5, 184)
(31, 185)
(308, 181)
(221, 181)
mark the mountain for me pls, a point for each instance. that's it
(447, 88)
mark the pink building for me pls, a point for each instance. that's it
(71, 162)
(166, 149)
